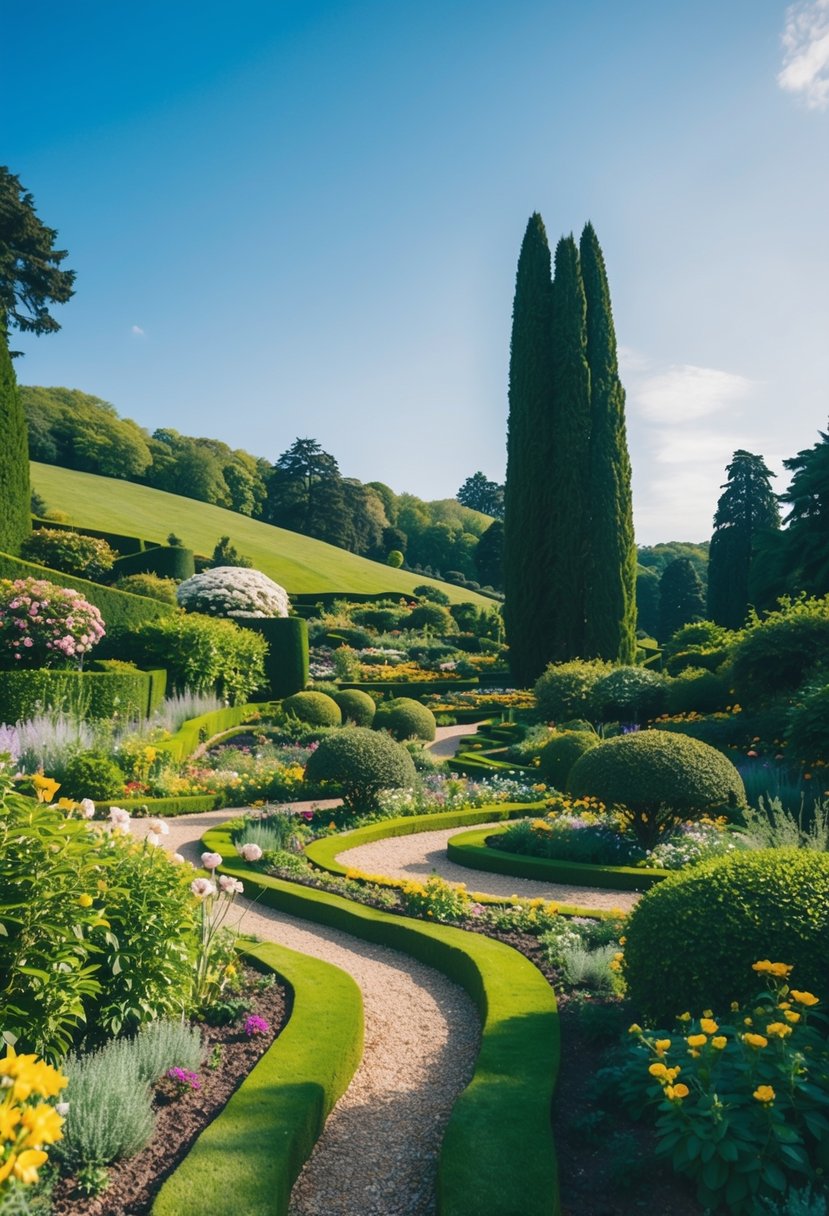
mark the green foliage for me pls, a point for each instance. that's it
(165, 1044)
(394, 558)
(200, 653)
(384, 620)
(658, 779)
(807, 731)
(565, 690)
(433, 618)
(110, 1107)
(561, 753)
(79, 431)
(805, 557)
(747, 508)
(151, 585)
(100, 694)
(481, 494)
(405, 718)
(226, 554)
(489, 556)
(315, 708)
(15, 491)
(167, 561)
(647, 600)
(697, 638)
(72, 552)
(436, 899)
(695, 690)
(356, 706)
(629, 694)
(361, 763)
(286, 660)
(681, 597)
(434, 595)
(89, 776)
(692, 940)
(779, 653)
(31, 277)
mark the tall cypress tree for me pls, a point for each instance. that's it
(681, 597)
(15, 491)
(526, 549)
(747, 509)
(566, 456)
(610, 625)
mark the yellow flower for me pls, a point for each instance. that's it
(719, 1041)
(755, 1040)
(764, 1094)
(45, 787)
(677, 1092)
(9, 1119)
(43, 1124)
(661, 1046)
(657, 1070)
(804, 998)
(781, 970)
(684, 1017)
(778, 1029)
(791, 1016)
(27, 1165)
(708, 1013)
(697, 1040)
(709, 1025)
(85, 900)
(635, 1028)
(735, 1006)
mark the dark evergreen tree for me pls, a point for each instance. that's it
(526, 524)
(30, 274)
(747, 508)
(15, 490)
(681, 597)
(489, 556)
(610, 614)
(647, 601)
(481, 494)
(807, 523)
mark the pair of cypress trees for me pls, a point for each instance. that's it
(569, 551)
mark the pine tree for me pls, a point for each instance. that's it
(807, 524)
(747, 509)
(681, 597)
(15, 491)
(610, 626)
(526, 550)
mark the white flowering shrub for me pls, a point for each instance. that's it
(233, 591)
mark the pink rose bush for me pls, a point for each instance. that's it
(44, 625)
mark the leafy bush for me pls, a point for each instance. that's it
(200, 653)
(433, 617)
(110, 1108)
(561, 753)
(695, 690)
(434, 595)
(405, 718)
(356, 706)
(565, 689)
(150, 585)
(91, 776)
(807, 730)
(233, 591)
(435, 899)
(42, 625)
(73, 553)
(165, 1044)
(384, 620)
(777, 655)
(395, 559)
(692, 940)
(315, 708)
(629, 694)
(658, 779)
(361, 763)
(697, 636)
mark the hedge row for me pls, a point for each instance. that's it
(167, 808)
(167, 561)
(469, 849)
(198, 730)
(411, 688)
(249, 1157)
(120, 543)
(96, 694)
(286, 663)
(497, 1155)
(120, 609)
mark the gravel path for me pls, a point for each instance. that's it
(447, 739)
(424, 853)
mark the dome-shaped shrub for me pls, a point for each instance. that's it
(315, 708)
(659, 778)
(91, 776)
(72, 552)
(405, 718)
(561, 753)
(360, 763)
(233, 591)
(356, 706)
(433, 617)
(692, 939)
(564, 690)
(629, 694)
(698, 691)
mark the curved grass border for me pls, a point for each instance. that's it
(498, 1155)
(468, 849)
(249, 1157)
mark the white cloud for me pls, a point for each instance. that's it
(684, 393)
(806, 52)
(136, 329)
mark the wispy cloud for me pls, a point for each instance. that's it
(684, 393)
(806, 52)
(136, 329)
(631, 360)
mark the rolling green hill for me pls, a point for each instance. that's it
(298, 563)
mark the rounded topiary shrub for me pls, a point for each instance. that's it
(692, 939)
(360, 763)
(405, 718)
(561, 753)
(629, 694)
(659, 779)
(697, 691)
(152, 585)
(315, 708)
(90, 776)
(565, 689)
(433, 617)
(233, 591)
(72, 552)
(356, 706)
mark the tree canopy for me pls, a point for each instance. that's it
(31, 277)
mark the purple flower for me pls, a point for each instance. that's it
(184, 1078)
(255, 1025)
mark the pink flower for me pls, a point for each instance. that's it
(211, 861)
(250, 851)
(202, 887)
(230, 886)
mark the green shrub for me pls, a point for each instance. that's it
(698, 635)
(565, 689)
(405, 718)
(807, 729)
(356, 706)
(110, 1108)
(697, 691)
(384, 620)
(96, 694)
(778, 654)
(395, 559)
(629, 694)
(151, 585)
(315, 708)
(659, 780)
(709, 660)
(433, 617)
(73, 553)
(91, 776)
(433, 595)
(166, 1044)
(692, 940)
(361, 763)
(286, 660)
(168, 561)
(561, 753)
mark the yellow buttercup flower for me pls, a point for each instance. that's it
(677, 1092)
(708, 1025)
(657, 1070)
(778, 1029)
(661, 1046)
(45, 787)
(764, 1094)
(635, 1028)
(804, 998)
(791, 1015)
(684, 1017)
(766, 967)
(755, 1040)
(719, 1041)
(697, 1040)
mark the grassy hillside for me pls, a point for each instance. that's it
(296, 562)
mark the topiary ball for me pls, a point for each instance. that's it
(565, 689)
(561, 753)
(90, 776)
(692, 939)
(356, 706)
(405, 718)
(629, 694)
(360, 763)
(315, 708)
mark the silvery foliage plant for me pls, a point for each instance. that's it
(233, 591)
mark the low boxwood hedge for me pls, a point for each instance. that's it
(198, 730)
(249, 1157)
(167, 808)
(105, 694)
(497, 1155)
(469, 849)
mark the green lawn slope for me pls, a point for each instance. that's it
(298, 563)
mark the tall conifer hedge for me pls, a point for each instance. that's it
(15, 491)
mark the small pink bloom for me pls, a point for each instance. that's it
(211, 861)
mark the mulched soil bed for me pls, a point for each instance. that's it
(134, 1183)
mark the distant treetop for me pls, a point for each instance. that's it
(31, 277)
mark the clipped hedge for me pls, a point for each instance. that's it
(101, 694)
(404, 718)
(121, 543)
(286, 663)
(249, 1157)
(165, 808)
(412, 688)
(315, 708)
(168, 561)
(561, 753)
(355, 706)
(198, 730)
(497, 1155)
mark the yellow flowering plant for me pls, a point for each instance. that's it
(29, 1122)
(741, 1102)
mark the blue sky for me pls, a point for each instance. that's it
(292, 217)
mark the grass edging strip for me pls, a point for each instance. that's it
(468, 849)
(249, 1157)
(498, 1155)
